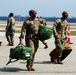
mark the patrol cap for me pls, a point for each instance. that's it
(31, 12)
(64, 12)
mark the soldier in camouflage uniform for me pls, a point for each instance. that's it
(31, 38)
(10, 30)
(44, 42)
(59, 29)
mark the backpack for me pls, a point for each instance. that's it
(20, 53)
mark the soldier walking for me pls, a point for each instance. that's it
(59, 29)
(31, 38)
(44, 42)
(10, 30)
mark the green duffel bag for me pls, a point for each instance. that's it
(45, 33)
(20, 53)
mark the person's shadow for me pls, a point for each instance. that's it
(43, 62)
(14, 69)
(11, 69)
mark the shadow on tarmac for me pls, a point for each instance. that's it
(43, 62)
(7, 69)
(11, 69)
(14, 69)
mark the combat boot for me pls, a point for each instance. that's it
(9, 44)
(32, 69)
(59, 62)
(46, 46)
(12, 44)
(0, 43)
(55, 60)
(28, 67)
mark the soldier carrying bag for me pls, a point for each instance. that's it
(20, 52)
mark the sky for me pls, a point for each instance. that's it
(44, 8)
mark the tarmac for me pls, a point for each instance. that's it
(42, 63)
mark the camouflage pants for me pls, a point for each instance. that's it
(34, 44)
(59, 43)
(10, 36)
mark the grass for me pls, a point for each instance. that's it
(72, 33)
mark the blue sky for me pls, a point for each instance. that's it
(44, 8)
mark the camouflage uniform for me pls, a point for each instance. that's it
(31, 40)
(60, 28)
(10, 30)
(42, 21)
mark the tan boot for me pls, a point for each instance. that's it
(9, 44)
(12, 44)
(28, 67)
(59, 62)
(32, 68)
(55, 60)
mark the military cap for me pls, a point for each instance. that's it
(31, 12)
(64, 12)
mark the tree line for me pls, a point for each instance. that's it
(21, 18)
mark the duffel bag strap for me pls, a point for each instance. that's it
(20, 45)
(11, 61)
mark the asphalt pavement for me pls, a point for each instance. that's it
(42, 63)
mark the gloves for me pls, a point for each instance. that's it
(41, 25)
(21, 42)
(66, 38)
(56, 35)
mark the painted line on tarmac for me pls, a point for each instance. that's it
(3, 34)
(18, 34)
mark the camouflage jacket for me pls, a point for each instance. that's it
(10, 24)
(31, 27)
(60, 28)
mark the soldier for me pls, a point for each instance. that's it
(31, 38)
(59, 29)
(10, 30)
(44, 42)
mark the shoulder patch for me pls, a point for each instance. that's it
(58, 21)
